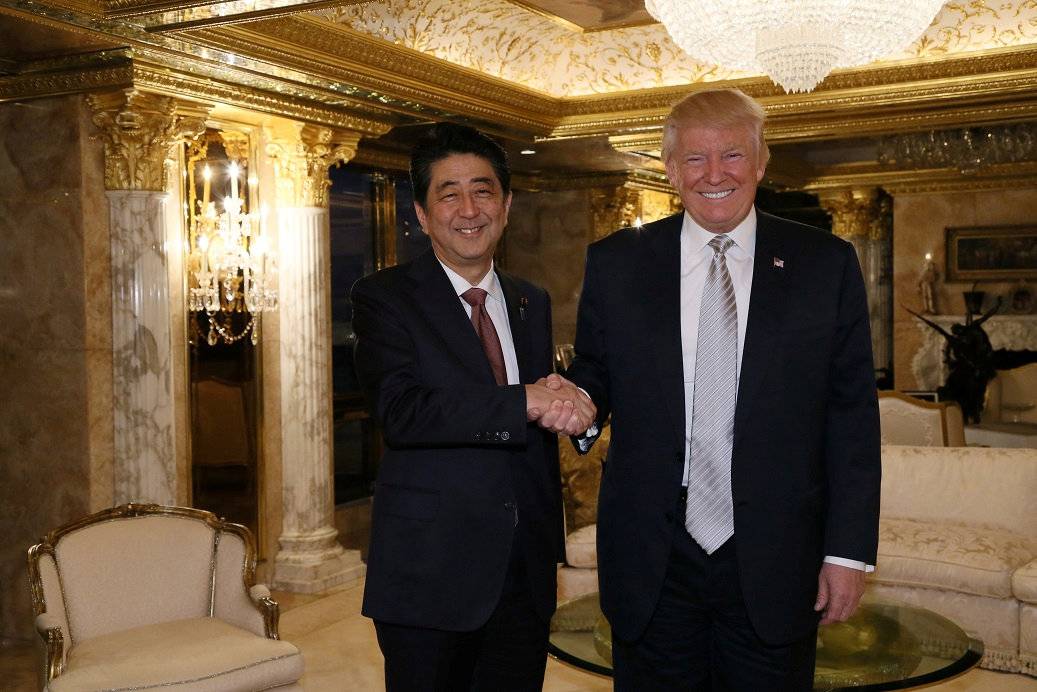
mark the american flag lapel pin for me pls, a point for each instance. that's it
(779, 263)
(523, 302)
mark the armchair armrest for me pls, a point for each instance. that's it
(49, 628)
(268, 607)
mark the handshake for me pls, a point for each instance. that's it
(556, 404)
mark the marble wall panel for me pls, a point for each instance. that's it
(48, 327)
(919, 223)
(546, 243)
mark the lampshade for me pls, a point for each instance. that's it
(795, 42)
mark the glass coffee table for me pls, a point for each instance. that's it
(882, 647)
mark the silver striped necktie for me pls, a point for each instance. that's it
(709, 516)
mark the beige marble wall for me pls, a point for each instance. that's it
(546, 243)
(55, 334)
(919, 221)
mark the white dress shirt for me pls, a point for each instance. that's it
(696, 256)
(496, 308)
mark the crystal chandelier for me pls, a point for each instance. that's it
(794, 42)
(231, 269)
(968, 149)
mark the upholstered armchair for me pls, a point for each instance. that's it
(905, 420)
(1015, 387)
(143, 596)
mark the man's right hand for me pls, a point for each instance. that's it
(556, 404)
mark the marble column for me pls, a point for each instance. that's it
(309, 558)
(863, 217)
(139, 131)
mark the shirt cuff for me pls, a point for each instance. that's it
(853, 564)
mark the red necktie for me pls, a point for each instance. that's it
(476, 297)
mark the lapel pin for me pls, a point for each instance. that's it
(779, 263)
(523, 302)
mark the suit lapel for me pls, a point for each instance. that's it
(662, 271)
(767, 305)
(434, 295)
(517, 309)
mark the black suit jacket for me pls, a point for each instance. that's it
(805, 463)
(461, 462)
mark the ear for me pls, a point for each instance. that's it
(422, 217)
(507, 207)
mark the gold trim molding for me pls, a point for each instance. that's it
(138, 130)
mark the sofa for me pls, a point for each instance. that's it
(957, 535)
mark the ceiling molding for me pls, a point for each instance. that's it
(337, 53)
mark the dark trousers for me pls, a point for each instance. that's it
(700, 637)
(507, 654)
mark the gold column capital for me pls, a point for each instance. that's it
(302, 158)
(854, 211)
(139, 129)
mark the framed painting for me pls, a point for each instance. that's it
(992, 253)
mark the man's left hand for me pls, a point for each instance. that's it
(839, 590)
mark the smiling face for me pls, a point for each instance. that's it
(716, 170)
(464, 214)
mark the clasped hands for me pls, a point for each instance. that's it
(556, 404)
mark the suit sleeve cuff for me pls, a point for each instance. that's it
(853, 564)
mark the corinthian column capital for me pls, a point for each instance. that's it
(854, 211)
(302, 159)
(138, 130)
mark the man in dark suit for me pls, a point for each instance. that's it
(451, 354)
(739, 501)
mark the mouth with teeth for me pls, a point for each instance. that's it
(469, 231)
(716, 195)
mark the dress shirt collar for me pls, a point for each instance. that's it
(488, 283)
(743, 235)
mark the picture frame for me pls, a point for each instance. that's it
(992, 253)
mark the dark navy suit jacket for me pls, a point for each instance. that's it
(805, 463)
(461, 463)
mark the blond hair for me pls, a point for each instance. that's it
(715, 108)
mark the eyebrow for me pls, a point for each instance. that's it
(447, 183)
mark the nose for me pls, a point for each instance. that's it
(715, 171)
(468, 207)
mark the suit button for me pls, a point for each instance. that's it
(505, 436)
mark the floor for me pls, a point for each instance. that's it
(341, 654)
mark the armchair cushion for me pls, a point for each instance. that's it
(965, 559)
(210, 655)
(1024, 583)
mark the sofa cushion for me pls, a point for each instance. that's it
(195, 654)
(948, 556)
(1024, 583)
(581, 547)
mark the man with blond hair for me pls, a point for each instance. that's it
(739, 503)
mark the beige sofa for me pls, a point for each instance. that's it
(958, 535)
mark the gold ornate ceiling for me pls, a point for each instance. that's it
(590, 71)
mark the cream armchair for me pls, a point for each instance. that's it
(1016, 387)
(905, 420)
(143, 596)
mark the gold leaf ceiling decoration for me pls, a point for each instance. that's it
(528, 48)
